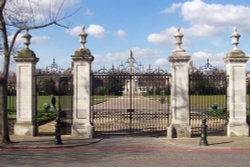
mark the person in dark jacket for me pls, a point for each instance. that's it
(53, 101)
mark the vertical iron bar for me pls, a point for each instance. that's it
(130, 103)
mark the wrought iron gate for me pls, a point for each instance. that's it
(130, 104)
(208, 97)
(59, 83)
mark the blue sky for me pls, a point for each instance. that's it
(147, 27)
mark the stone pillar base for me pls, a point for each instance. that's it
(179, 131)
(237, 129)
(25, 129)
(85, 130)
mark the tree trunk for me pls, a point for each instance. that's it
(4, 127)
(7, 48)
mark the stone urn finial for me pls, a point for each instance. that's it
(27, 38)
(83, 37)
(178, 40)
(235, 38)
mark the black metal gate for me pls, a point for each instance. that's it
(130, 104)
(54, 81)
(208, 97)
(65, 103)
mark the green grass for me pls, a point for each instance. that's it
(248, 104)
(66, 102)
(161, 98)
(205, 101)
(45, 116)
(11, 105)
(217, 114)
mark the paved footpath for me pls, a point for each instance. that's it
(125, 152)
(214, 142)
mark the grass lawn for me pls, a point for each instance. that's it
(248, 104)
(213, 106)
(42, 101)
(161, 98)
(11, 105)
(207, 101)
(196, 101)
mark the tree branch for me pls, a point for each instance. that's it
(69, 15)
(60, 25)
(31, 28)
(2, 5)
(12, 43)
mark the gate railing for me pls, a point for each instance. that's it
(208, 95)
(130, 104)
(248, 97)
(62, 88)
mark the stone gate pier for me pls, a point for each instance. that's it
(26, 97)
(179, 110)
(236, 70)
(82, 60)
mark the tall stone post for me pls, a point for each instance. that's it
(82, 60)
(25, 100)
(236, 70)
(180, 61)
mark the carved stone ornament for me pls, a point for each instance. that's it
(83, 54)
(26, 54)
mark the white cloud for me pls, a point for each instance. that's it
(96, 31)
(172, 8)
(93, 30)
(166, 37)
(205, 20)
(38, 39)
(197, 11)
(161, 62)
(163, 37)
(215, 59)
(216, 15)
(202, 30)
(143, 53)
(75, 31)
(158, 38)
(118, 57)
(208, 19)
(120, 33)
(34, 40)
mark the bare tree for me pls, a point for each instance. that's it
(15, 17)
